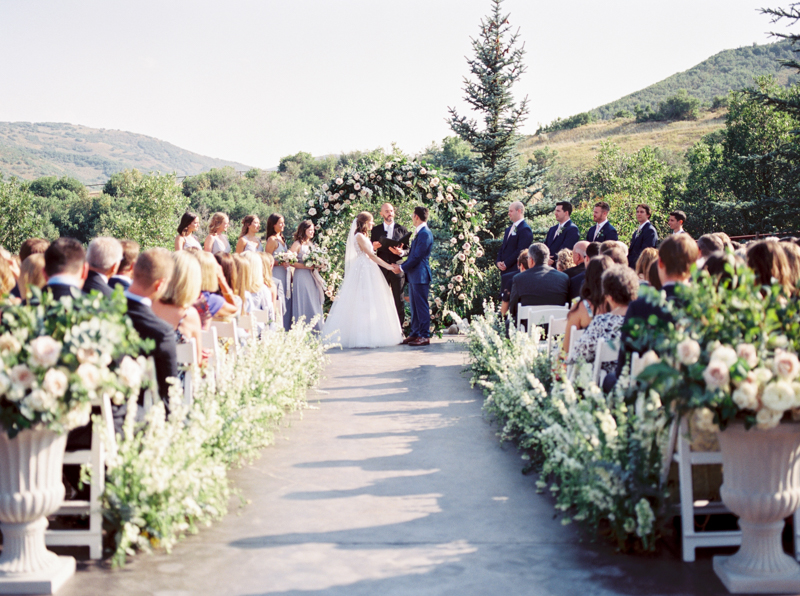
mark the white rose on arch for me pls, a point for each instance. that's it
(453, 240)
(339, 181)
(434, 182)
(312, 211)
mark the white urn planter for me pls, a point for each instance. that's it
(30, 490)
(761, 484)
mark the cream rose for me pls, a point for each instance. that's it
(725, 354)
(45, 351)
(648, 358)
(747, 352)
(435, 182)
(39, 401)
(762, 375)
(462, 297)
(458, 278)
(9, 343)
(717, 375)
(339, 181)
(55, 382)
(422, 171)
(89, 375)
(356, 186)
(746, 396)
(21, 376)
(688, 351)
(130, 372)
(766, 418)
(312, 211)
(778, 396)
(787, 366)
(78, 416)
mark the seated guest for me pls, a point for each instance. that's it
(31, 275)
(228, 267)
(65, 268)
(617, 253)
(792, 252)
(130, 251)
(707, 244)
(653, 277)
(727, 243)
(578, 273)
(522, 265)
(540, 285)
(592, 250)
(273, 285)
(768, 260)
(103, 257)
(211, 305)
(151, 276)
(646, 259)
(31, 246)
(578, 259)
(518, 236)
(175, 305)
(675, 222)
(620, 287)
(676, 255)
(243, 273)
(259, 296)
(644, 236)
(564, 260)
(721, 265)
(591, 301)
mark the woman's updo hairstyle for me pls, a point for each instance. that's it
(362, 219)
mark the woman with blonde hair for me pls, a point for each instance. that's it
(31, 273)
(216, 241)
(243, 273)
(274, 286)
(175, 305)
(210, 304)
(564, 259)
(259, 296)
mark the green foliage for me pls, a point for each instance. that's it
(147, 209)
(23, 217)
(568, 123)
(680, 106)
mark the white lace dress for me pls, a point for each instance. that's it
(363, 314)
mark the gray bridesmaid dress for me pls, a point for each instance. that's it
(282, 274)
(306, 301)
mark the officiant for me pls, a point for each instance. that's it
(393, 231)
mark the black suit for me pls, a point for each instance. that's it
(149, 326)
(59, 291)
(513, 244)
(539, 286)
(395, 281)
(575, 285)
(94, 281)
(119, 280)
(576, 270)
(647, 238)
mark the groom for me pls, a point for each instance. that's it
(393, 231)
(418, 274)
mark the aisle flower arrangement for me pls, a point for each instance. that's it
(170, 479)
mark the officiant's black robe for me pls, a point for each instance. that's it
(396, 282)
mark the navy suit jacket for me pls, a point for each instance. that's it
(513, 245)
(541, 285)
(607, 232)
(95, 282)
(117, 280)
(416, 267)
(647, 238)
(567, 239)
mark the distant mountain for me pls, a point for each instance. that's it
(723, 72)
(31, 150)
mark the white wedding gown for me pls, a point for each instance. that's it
(363, 314)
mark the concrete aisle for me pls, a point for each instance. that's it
(394, 485)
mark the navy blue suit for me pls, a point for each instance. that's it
(418, 273)
(566, 239)
(647, 238)
(509, 253)
(607, 232)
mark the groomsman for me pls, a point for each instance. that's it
(564, 234)
(602, 229)
(676, 221)
(394, 231)
(518, 237)
(645, 235)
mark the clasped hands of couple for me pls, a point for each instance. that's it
(396, 250)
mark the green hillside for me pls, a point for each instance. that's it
(723, 72)
(32, 150)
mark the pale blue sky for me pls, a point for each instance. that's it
(254, 81)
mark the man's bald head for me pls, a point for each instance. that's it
(387, 213)
(516, 211)
(579, 252)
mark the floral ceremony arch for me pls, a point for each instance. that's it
(453, 220)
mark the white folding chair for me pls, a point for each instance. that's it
(606, 352)
(151, 393)
(539, 315)
(95, 456)
(260, 316)
(210, 343)
(574, 336)
(246, 322)
(556, 326)
(227, 330)
(187, 357)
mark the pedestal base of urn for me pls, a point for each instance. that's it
(738, 582)
(48, 581)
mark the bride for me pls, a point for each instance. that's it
(363, 314)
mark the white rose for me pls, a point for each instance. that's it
(479, 253)
(21, 376)
(422, 171)
(746, 396)
(312, 211)
(472, 260)
(435, 182)
(461, 256)
(449, 286)
(326, 212)
(336, 195)
(351, 196)
(311, 203)
(688, 351)
(324, 187)
(408, 184)
(372, 176)
(462, 297)
(766, 418)
(356, 186)
(428, 196)
(449, 197)
(747, 352)
(130, 373)
(410, 175)
(779, 341)
(437, 301)
(466, 246)
(39, 401)
(717, 375)
(458, 288)
(453, 240)
(9, 343)
(762, 375)
(89, 375)
(454, 219)
(461, 236)
(356, 177)
(45, 351)
(725, 354)
(787, 366)
(778, 396)
(449, 189)
(55, 382)
(648, 358)
(339, 181)
(389, 164)
(458, 278)
(78, 416)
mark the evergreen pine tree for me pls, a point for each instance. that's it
(493, 175)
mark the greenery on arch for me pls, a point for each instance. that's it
(453, 220)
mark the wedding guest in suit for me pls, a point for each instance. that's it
(578, 259)
(564, 260)
(175, 305)
(65, 268)
(186, 228)
(591, 296)
(103, 257)
(602, 229)
(676, 255)
(522, 265)
(592, 250)
(676, 221)
(417, 269)
(151, 276)
(518, 236)
(123, 277)
(540, 284)
(31, 273)
(646, 260)
(644, 236)
(393, 231)
(217, 241)
(616, 250)
(31, 246)
(564, 234)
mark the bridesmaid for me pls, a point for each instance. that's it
(276, 244)
(248, 239)
(306, 295)
(186, 238)
(215, 241)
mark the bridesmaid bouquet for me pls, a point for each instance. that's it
(285, 258)
(318, 259)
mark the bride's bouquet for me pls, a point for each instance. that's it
(286, 257)
(318, 259)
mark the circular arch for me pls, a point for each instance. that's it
(453, 220)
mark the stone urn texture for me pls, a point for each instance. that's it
(761, 484)
(30, 490)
